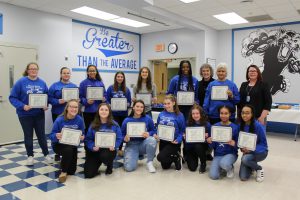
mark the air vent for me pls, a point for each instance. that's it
(259, 18)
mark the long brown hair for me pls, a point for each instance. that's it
(65, 112)
(140, 80)
(132, 110)
(96, 124)
(61, 70)
(259, 76)
(123, 84)
(203, 116)
(25, 73)
(173, 99)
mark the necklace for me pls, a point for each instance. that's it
(248, 90)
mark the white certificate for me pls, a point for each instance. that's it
(38, 100)
(70, 136)
(147, 98)
(94, 93)
(70, 93)
(136, 129)
(247, 140)
(118, 104)
(166, 132)
(195, 134)
(221, 134)
(219, 92)
(105, 139)
(185, 98)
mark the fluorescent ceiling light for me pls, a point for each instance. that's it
(189, 1)
(94, 13)
(129, 22)
(231, 18)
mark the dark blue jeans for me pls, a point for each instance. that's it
(37, 123)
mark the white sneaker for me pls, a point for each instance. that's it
(260, 175)
(230, 173)
(30, 161)
(48, 159)
(150, 167)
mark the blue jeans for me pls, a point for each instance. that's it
(37, 123)
(135, 148)
(249, 164)
(221, 162)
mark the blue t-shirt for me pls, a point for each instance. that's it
(119, 94)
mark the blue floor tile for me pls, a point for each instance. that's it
(48, 186)
(10, 165)
(4, 173)
(37, 165)
(13, 147)
(80, 174)
(8, 197)
(16, 186)
(117, 165)
(16, 159)
(5, 152)
(53, 175)
(1, 158)
(28, 174)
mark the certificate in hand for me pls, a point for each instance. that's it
(118, 104)
(247, 140)
(195, 134)
(147, 98)
(221, 133)
(185, 98)
(136, 129)
(105, 139)
(70, 93)
(166, 132)
(38, 100)
(94, 93)
(219, 92)
(70, 136)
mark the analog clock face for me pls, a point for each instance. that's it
(172, 48)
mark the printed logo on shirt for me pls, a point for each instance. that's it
(167, 121)
(34, 89)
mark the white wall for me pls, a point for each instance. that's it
(190, 44)
(224, 49)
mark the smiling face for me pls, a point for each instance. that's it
(72, 109)
(196, 115)
(138, 109)
(32, 70)
(247, 114)
(144, 74)
(65, 75)
(224, 115)
(222, 74)
(206, 73)
(252, 74)
(169, 105)
(103, 112)
(119, 78)
(185, 69)
(92, 71)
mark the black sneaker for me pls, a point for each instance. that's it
(178, 164)
(57, 158)
(209, 157)
(108, 171)
(202, 168)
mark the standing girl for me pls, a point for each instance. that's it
(225, 154)
(184, 81)
(251, 158)
(139, 145)
(145, 86)
(197, 117)
(119, 90)
(103, 122)
(169, 152)
(31, 118)
(69, 119)
(55, 92)
(90, 106)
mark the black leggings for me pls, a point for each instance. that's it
(69, 157)
(194, 152)
(88, 118)
(168, 153)
(95, 159)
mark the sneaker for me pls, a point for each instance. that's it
(260, 175)
(230, 173)
(30, 161)
(150, 167)
(178, 164)
(108, 171)
(48, 159)
(62, 177)
(202, 168)
(209, 157)
(57, 158)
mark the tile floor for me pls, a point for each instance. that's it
(17, 181)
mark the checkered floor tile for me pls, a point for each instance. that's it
(15, 176)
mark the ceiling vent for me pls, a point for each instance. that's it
(259, 18)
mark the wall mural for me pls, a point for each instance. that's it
(275, 50)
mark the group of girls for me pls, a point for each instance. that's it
(98, 116)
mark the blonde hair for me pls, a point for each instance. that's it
(65, 112)
(173, 99)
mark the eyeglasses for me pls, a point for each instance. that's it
(35, 69)
(252, 71)
(92, 71)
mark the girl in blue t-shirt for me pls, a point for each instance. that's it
(250, 159)
(225, 153)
